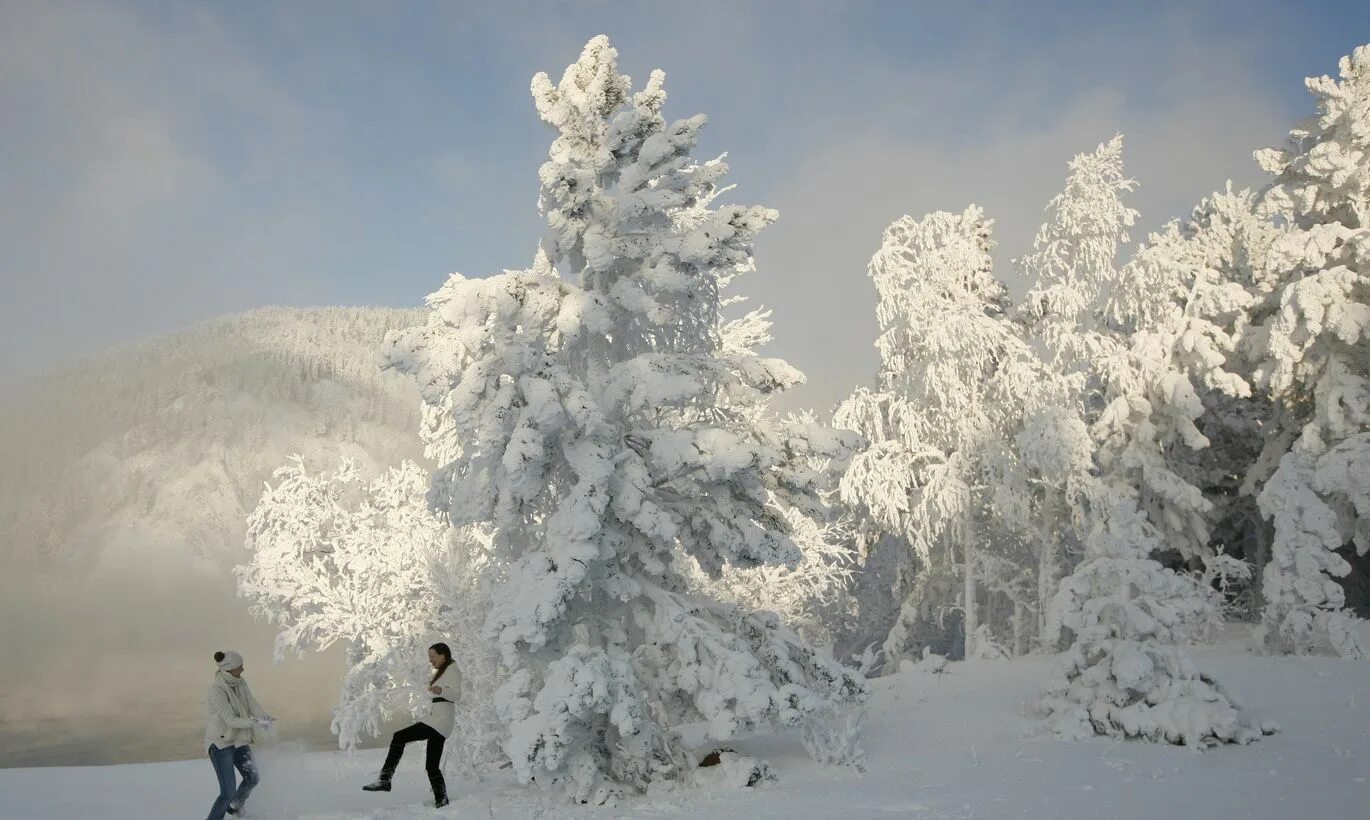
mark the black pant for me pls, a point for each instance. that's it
(419, 731)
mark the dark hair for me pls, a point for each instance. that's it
(446, 652)
(218, 656)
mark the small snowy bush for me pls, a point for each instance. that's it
(1125, 674)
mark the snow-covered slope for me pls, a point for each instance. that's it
(165, 444)
(125, 483)
(947, 745)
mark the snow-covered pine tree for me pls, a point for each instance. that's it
(1124, 673)
(338, 560)
(1191, 284)
(587, 409)
(1311, 338)
(1186, 296)
(933, 425)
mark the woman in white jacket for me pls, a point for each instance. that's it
(235, 721)
(445, 687)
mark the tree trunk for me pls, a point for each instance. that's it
(990, 609)
(1258, 562)
(970, 621)
(1046, 583)
(897, 639)
(1019, 629)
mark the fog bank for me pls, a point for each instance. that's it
(114, 668)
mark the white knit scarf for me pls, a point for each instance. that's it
(239, 696)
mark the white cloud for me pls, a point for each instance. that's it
(835, 205)
(124, 212)
(158, 174)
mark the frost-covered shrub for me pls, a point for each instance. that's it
(836, 739)
(367, 565)
(1228, 581)
(1125, 674)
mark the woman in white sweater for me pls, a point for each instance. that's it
(445, 687)
(235, 721)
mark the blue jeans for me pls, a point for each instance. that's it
(224, 761)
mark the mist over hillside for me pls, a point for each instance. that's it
(166, 443)
(125, 481)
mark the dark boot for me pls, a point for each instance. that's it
(392, 762)
(439, 785)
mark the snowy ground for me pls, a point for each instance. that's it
(956, 745)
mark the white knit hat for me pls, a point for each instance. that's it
(232, 660)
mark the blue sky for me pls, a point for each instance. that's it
(166, 162)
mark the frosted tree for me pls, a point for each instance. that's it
(589, 411)
(1192, 283)
(1127, 406)
(1186, 297)
(1311, 339)
(1071, 266)
(1124, 674)
(811, 595)
(367, 565)
(1182, 306)
(1056, 454)
(1137, 346)
(933, 424)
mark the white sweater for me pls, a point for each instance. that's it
(224, 728)
(443, 716)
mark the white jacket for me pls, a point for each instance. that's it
(443, 716)
(224, 728)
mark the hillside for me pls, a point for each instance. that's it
(165, 444)
(124, 485)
